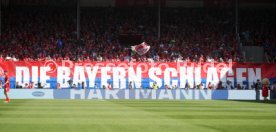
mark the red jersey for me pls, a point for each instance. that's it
(7, 84)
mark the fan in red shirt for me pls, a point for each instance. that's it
(201, 59)
(6, 86)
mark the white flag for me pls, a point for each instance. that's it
(141, 49)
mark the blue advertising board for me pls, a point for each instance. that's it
(176, 94)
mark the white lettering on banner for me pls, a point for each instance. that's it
(177, 94)
(206, 94)
(121, 77)
(240, 77)
(197, 75)
(92, 75)
(143, 93)
(111, 94)
(104, 75)
(225, 75)
(126, 94)
(135, 78)
(212, 76)
(79, 76)
(154, 77)
(122, 94)
(35, 74)
(186, 75)
(95, 94)
(253, 76)
(137, 94)
(165, 94)
(63, 76)
(119, 80)
(74, 93)
(153, 94)
(168, 74)
(188, 94)
(193, 94)
(230, 76)
(22, 75)
(196, 94)
(44, 77)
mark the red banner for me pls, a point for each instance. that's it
(142, 74)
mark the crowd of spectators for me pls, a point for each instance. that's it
(257, 29)
(187, 34)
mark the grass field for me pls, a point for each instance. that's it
(137, 116)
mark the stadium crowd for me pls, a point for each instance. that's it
(186, 34)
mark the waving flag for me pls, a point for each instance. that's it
(141, 49)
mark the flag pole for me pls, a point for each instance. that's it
(0, 17)
(78, 20)
(237, 26)
(158, 20)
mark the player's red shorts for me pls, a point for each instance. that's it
(6, 90)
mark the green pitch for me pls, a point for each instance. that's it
(137, 116)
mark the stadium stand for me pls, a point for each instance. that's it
(194, 34)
